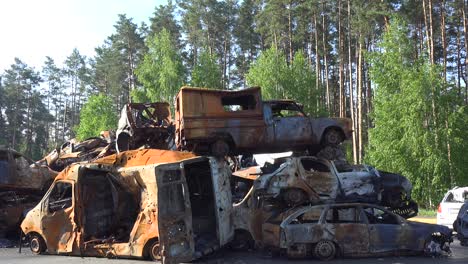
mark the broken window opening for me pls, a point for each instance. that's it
(286, 109)
(238, 103)
(202, 201)
(377, 216)
(341, 215)
(61, 197)
(109, 210)
(313, 165)
(310, 217)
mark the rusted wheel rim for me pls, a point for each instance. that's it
(35, 245)
(325, 250)
(154, 251)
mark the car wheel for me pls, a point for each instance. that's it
(37, 244)
(154, 251)
(220, 148)
(332, 137)
(242, 241)
(325, 250)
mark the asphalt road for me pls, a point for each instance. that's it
(11, 256)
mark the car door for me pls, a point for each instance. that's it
(174, 214)
(350, 229)
(57, 222)
(292, 127)
(303, 226)
(384, 230)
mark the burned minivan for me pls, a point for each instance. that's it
(153, 204)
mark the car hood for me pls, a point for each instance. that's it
(426, 229)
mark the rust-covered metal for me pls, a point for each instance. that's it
(75, 151)
(235, 122)
(147, 125)
(168, 205)
(355, 229)
(300, 180)
(22, 183)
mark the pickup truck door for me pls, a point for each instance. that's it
(292, 128)
(57, 222)
(174, 215)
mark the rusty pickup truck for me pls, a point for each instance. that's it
(239, 122)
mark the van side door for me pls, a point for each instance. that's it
(57, 222)
(174, 214)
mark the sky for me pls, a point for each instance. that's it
(34, 29)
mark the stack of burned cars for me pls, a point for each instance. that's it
(149, 201)
(310, 206)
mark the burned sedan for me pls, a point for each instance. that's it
(355, 229)
(301, 180)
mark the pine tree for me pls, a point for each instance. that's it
(161, 71)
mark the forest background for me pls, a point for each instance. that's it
(398, 68)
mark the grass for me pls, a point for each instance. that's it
(427, 212)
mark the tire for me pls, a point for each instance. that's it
(325, 250)
(37, 244)
(154, 252)
(220, 148)
(332, 137)
(242, 241)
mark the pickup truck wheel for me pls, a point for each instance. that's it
(325, 250)
(332, 137)
(37, 244)
(220, 148)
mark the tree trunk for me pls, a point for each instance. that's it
(324, 41)
(359, 100)
(351, 92)
(317, 61)
(444, 41)
(342, 112)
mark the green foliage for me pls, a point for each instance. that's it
(161, 72)
(411, 133)
(206, 73)
(280, 80)
(97, 114)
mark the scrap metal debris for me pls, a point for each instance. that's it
(133, 196)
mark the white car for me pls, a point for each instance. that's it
(450, 205)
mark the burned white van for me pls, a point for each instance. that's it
(153, 204)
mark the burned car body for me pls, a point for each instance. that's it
(239, 122)
(19, 173)
(299, 180)
(138, 204)
(147, 125)
(354, 229)
(22, 183)
(75, 151)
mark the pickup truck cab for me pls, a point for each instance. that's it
(233, 122)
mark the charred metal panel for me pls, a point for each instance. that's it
(221, 175)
